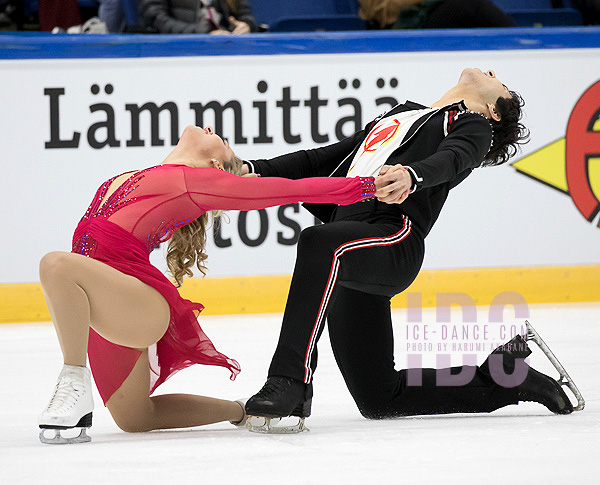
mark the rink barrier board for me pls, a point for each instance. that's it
(20, 303)
(37, 45)
(267, 294)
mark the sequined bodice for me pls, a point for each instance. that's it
(127, 195)
(117, 199)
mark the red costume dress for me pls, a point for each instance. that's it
(145, 211)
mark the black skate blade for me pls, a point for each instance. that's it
(58, 439)
(266, 425)
(565, 378)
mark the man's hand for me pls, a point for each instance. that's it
(239, 27)
(393, 184)
(245, 169)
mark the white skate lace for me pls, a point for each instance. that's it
(66, 394)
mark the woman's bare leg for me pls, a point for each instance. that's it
(122, 309)
(80, 292)
(134, 411)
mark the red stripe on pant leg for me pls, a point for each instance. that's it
(359, 244)
(324, 302)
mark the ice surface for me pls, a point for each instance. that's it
(518, 444)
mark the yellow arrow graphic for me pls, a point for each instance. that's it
(546, 165)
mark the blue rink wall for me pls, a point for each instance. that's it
(80, 108)
(63, 46)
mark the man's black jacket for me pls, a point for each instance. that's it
(440, 151)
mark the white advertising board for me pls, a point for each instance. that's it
(69, 124)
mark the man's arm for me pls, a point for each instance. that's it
(464, 148)
(318, 162)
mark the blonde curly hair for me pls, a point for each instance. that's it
(187, 244)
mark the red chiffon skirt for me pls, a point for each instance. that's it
(183, 344)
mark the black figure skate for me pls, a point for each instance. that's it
(70, 407)
(564, 380)
(507, 367)
(280, 397)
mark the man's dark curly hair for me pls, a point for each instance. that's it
(509, 132)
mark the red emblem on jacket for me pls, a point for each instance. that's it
(380, 136)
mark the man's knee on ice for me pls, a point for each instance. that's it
(372, 408)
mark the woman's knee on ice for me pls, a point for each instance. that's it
(132, 419)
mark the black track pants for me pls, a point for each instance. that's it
(347, 271)
(381, 259)
(360, 330)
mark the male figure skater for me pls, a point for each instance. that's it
(348, 268)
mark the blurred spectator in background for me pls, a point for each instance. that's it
(8, 14)
(71, 16)
(59, 14)
(590, 10)
(198, 16)
(111, 13)
(432, 14)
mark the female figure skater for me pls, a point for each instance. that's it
(105, 296)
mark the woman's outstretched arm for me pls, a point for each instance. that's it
(213, 189)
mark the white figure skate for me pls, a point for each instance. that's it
(241, 423)
(565, 379)
(70, 407)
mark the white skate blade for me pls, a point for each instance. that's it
(565, 379)
(58, 439)
(260, 424)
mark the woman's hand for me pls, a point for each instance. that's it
(393, 184)
(239, 27)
